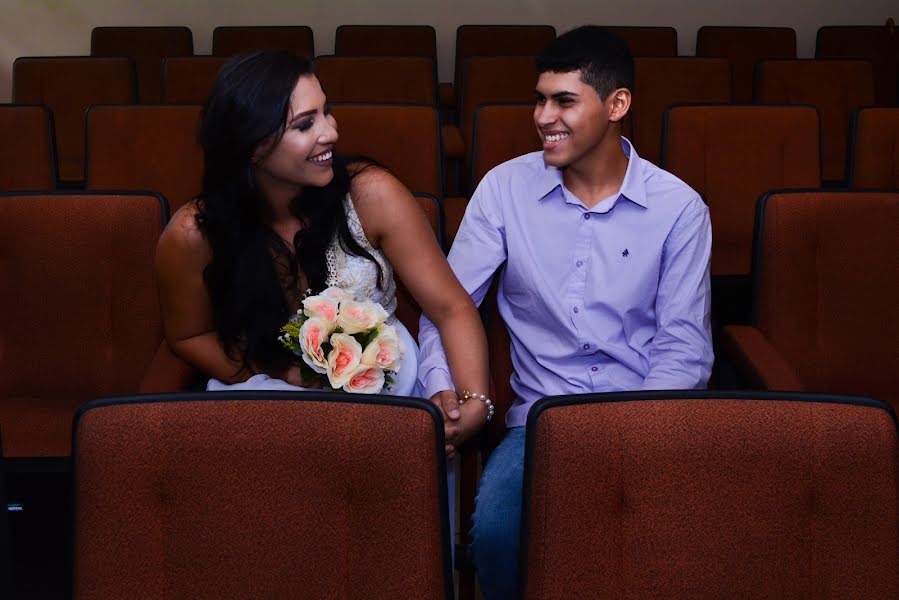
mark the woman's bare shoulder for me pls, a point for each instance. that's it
(182, 235)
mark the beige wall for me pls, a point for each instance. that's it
(62, 27)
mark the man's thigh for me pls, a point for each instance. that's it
(500, 485)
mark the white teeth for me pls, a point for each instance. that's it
(555, 137)
(322, 157)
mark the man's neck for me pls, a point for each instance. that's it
(599, 174)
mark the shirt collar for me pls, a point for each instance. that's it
(633, 187)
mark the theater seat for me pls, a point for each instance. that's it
(81, 319)
(874, 148)
(825, 296)
(263, 495)
(706, 495)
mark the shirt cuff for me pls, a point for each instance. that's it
(437, 380)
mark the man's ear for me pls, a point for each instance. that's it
(620, 104)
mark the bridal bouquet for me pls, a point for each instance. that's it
(345, 339)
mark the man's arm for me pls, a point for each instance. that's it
(479, 248)
(681, 353)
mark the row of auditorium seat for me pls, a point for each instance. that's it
(730, 154)
(84, 319)
(649, 495)
(835, 87)
(825, 290)
(744, 46)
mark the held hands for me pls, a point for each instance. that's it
(460, 422)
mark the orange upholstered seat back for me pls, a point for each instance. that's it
(744, 47)
(386, 40)
(708, 497)
(837, 88)
(732, 155)
(228, 41)
(28, 156)
(146, 148)
(189, 79)
(81, 317)
(263, 495)
(874, 150)
(382, 79)
(828, 288)
(69, 86)
(662, 82)
(147, 47)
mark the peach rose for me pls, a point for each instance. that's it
(365, 380)
(355, 317)
(343, 359)
(385, 351)
(321, 306)
(312, 333)
(339, 294)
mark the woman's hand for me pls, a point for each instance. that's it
(474, 416)
(294, 376)
(447, 402)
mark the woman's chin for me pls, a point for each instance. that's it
(322, 178)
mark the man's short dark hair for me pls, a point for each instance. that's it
(603, 59)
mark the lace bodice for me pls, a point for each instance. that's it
(357, 274)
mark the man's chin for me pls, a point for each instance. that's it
(551, 159)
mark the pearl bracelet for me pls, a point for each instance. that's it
(467, 395)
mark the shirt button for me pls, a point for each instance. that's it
(579, 263)
(587, 216)
(594, 369)
(575, 309)
(586, 346)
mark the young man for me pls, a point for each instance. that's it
(606, 279)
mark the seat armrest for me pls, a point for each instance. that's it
(757, 360)
(166, 373)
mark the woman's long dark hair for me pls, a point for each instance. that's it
(249, 104)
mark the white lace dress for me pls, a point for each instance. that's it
(358, 275)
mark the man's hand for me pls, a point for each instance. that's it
(448, 403)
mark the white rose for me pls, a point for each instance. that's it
(339, 294)
(385, 351)
(355, 317)
(321, 306)
(343, 359)
(365, 380)
(312, 333)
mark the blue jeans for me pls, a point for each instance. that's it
(497, 519)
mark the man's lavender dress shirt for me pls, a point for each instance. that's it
(611, 298)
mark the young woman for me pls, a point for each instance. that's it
(280, 214)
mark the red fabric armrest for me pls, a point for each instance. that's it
(166, 373)
(453, 144)
(760, 364)
(447, 96)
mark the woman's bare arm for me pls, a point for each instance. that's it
(181, 256)
(394, 223)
